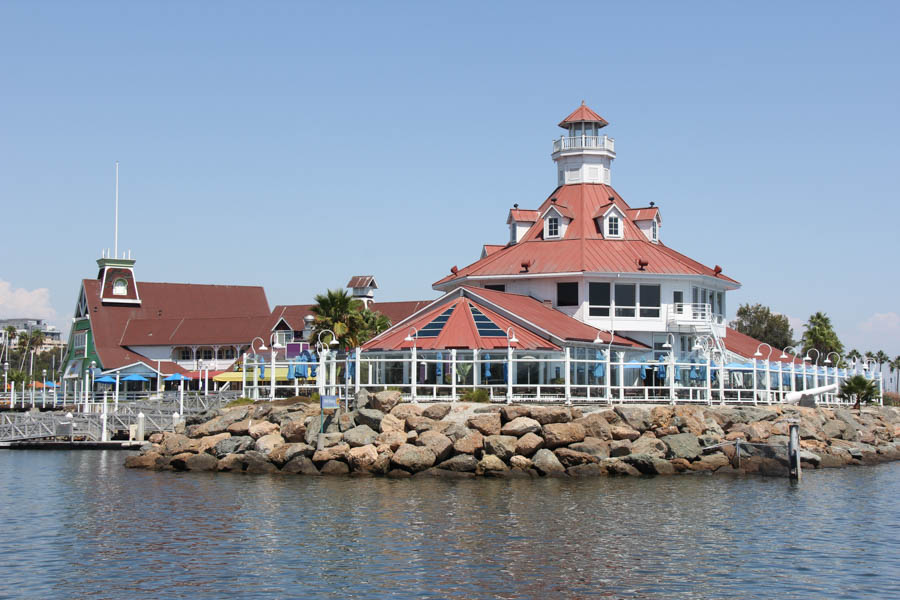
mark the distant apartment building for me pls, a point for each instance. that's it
(25, 326)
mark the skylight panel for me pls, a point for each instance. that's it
(485, 327)
(436, 325)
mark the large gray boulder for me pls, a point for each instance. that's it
(595, 425)
(491, 464)
(547, 464)
(287, 452)
(502, 446)
(637, 417)
(362, 399)
(683, 445)
(649, 465)
(650, 445)
(487, 424)
(300, 465)
(371, 417)
(457, 431)
(413, 458)
(592, 446)
(267, 443)
(233, 445)
(571, 458)
(462, 463)
(361, 435)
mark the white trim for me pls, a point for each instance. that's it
(458, 281)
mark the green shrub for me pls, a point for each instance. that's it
(239, 402)
(476, 395)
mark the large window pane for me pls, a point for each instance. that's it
(598, 297)
(625, 299)
(650, 296)
(567, 294)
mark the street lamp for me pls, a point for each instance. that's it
(412, 338)
(758, 354)
(6, 380)
(43, 388)
(31, 375)
(784, 355)
(510, 340)
(275, 347)
(828, 359)
(513, 339)
(669, 345)
(262, 347)
(323, 351)
(809, 358)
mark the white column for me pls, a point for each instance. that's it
(755, 385)
(476, 376)
(181, 397)
(272, 375)
(709, 379)
(332, 374)
(722, 379)
(413, 373)
(509, 374)
(320, 372)
(608, 373)
(453, 374)
(567, 378)
(671, 374)
(621, 367)
(768, 382)
(357, 359)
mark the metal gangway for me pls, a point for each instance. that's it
(93, 423)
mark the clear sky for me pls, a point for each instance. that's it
(292, 145)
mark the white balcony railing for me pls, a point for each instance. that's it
(584, 142)
(684, 312)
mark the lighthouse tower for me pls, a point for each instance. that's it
(583, 154)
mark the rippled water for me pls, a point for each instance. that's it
(78, 524)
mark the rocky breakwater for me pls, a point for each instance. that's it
(463, 440)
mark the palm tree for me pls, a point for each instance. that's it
(373, 323)
(854, 355)
(11, 334)
(882, 357)
(820, 334)
(860, 388)
(338, 311)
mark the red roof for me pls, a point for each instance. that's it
(583, 247)
(535, 325)
(583, 114)
(746, 346)
(489, 249)
(644, 214)
(394, 311)
(522, 215)
(167, 301)
(361, 281)
(191, 331)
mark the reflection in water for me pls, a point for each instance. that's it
(78, 524)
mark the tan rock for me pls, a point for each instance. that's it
(520, 426)
(261, 428)
(562, 434)
(469, 444)
(267, 443)
(528, 444)
(155, 438)
(520, 462)
(661, 416)
(175, 443)
(404, 411)
(360, 459)
(487, 424)
(239, 427)
(624, 432)
(490, 464)
(438, 443)
(550, 414)
(391, 423)
(689, 419)
(231, 462)
(294, 431)
(287, 452)
(596, 425)
(336, 452)
(208, 443)
(392, 439)
(142, 461)
(570, 458)
(436, 411)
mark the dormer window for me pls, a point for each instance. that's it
(120, 287)
(654, 231)
(612, 227)
(553, 227)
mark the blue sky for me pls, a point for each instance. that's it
(292, 145)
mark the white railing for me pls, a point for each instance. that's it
(584, 142)
(560, 378)
(692, 313)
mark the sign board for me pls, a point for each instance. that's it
(328, 402)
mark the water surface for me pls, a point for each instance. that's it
(79, 525)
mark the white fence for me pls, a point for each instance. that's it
(577, 375)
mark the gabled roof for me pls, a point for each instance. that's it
(562, 209)
(522, 215)
(489, 249)
(295, 314)
(192, 331)
(361, 281)
(167, 301)
(644, 214)
(582, 247)
(535, 325)
(583, 114)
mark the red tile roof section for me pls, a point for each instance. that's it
(582, 114)
(489, 249)
(361, 281)
(166, 301)
(179, 332)
(644, 214)
(746, 346)
(523, 216)
(583, 248)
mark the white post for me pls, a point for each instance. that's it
(608, 373)
(104, 433)
(453, 374)
(621, 367)
(413, 372)
(272, 374)
(244, 375)
(181, 397)
(85, 386)
(768, 382)
(332, 374)
(755, 385)
(320, 372)
(709, 378)
(672, 367)
(476, 376)
(722, 379)
(206, 384)
(509, 375)
(781, 380)
(356, 359)
(140, 427)
(255, 380)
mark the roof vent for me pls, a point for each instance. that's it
(612, 198)
(553, 200)
(717, 270)
(454, 269)
(652, 204)
(642, 264)
(516, 205)
(526, 264)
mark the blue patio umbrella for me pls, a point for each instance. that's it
(734, 366)
(314, 367)
(352, 360)
(52, 384)
(175, 377)
(134, 377)
(439, 367)
(599, 366)
(487, 366)
(303, 367)
(104, 379)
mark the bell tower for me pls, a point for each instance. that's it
(117, 282)
(583, 154)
